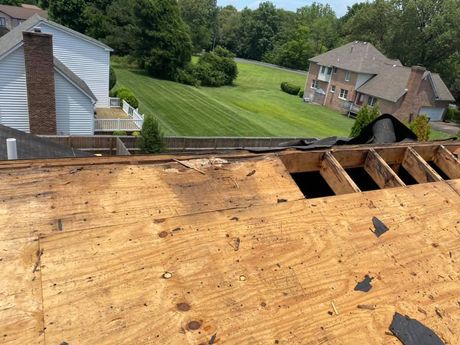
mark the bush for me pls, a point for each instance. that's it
(421, 127)
(290, 88)
(112, 78)
(128, 96)
(453, 115)
(208, 76)
(187, 76)
(136, 134)
(364, 117)
(119, 133)
(151, 139)
(301, 93)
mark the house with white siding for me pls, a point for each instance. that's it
(52, 79)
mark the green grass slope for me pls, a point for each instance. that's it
(254, 106)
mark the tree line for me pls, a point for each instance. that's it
(417, 32)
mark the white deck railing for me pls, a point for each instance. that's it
(134, 121)
(114, 102)
(110, 125)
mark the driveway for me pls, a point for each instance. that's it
(446, 127)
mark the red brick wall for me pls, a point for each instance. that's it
(38, 58)
(337, 79)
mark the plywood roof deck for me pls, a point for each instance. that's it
(143, 250)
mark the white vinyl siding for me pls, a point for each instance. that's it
(74, 109)
(87, 60)
(14, 110)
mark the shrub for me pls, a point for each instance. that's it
(208, 76)
(112, 78)
(421, 127)
(364, 117)
(301, 93)
(128, 96)
(136, 134)
(119, 133)
(187, 76)
(290, 88)
(151, 139)
(453, 115)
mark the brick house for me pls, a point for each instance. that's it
(12, 16)
(357, 73)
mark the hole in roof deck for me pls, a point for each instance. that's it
(362, 179)
(312, 184)
(438, 170)
(405, 176)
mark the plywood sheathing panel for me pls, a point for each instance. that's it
(261, 275)
(21, 316)
(41, 201)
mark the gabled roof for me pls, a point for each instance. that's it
(76, 80)
(440, 89)
(22, 12)
(390, 83)
(14, 37)
(356, 56)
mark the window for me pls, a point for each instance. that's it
(332, 88)
(2, 22)
(323, 69)
(314, 84)
(347, 76)
(343, 94)
(334, 70)
(371, 101)
(360, 99)
(329, 71)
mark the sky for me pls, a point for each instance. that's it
(339, 6)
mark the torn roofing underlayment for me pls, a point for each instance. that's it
(239, 249)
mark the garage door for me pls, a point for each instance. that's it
(435, 114)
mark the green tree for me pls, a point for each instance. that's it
(364, 117)
(162, 44)
(201, 18)
(69, 13)
(10, 2)
(228, 23)
(151, 138)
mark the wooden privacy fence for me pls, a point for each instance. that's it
(108, 143)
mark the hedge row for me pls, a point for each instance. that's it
(290, 88)
(127, 95)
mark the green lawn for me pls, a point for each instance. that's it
(254, 106)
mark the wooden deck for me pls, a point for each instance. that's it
(143, 250)
(115, 119)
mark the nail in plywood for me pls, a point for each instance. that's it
(447, 162)
(336, 177)
(21, 316)
(381, 172)
(418, 168)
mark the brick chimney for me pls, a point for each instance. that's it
(38, 57)
(411, 104)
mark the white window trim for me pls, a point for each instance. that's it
(340, 95)
(347, 75)
(333, 88)
(313, 83)
(374, 99)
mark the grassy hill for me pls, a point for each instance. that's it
(254, 106)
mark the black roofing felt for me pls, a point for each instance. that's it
(33, 147)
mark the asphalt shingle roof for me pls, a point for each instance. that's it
(361, 57)
(22, 12)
